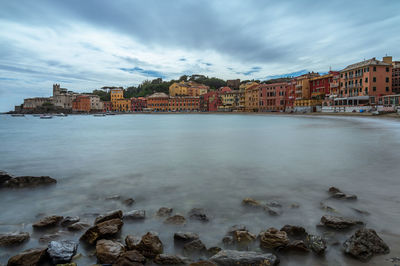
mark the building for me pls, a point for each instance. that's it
(365, 82)
(184, 104)
(303, 91)
(158, 102)
(107, 106)
(121, 105)
(81, 104)
(62, 97)
(229, 101)
(251, 103)
(187, 88)
(210, 101)
(138, 104)
(116, 94)
(32, 103)
(396, 77)
(320, 88)
(272, 97)
(233, 83)
(290, 94)
(95, 103)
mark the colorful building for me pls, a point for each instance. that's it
(138, 104)
(272, 97)
(121, 105)
(116, 94)
(210, 101)
(187, 88)
(107, 106)
(158, 102)
(290, 94)
(365, 82)
(251, 103)
(233, 83)
(183, 104)
(81, 103)
(230, 101)
(303, 91)
(396, 77)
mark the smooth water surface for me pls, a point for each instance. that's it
(208, 161)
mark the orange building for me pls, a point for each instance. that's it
(252, 96)
(183, 104)
(158, 102)
(81, 103)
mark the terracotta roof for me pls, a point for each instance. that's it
(369, 62)
(158, 95)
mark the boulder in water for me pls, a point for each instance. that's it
(249, 202)
(194, 248)
(297, 245)
(78, 226)
(4, 176)
(129, 202)
(62, 251)
(337, 222)
(364, 244)
(135, 215)
(49, 221)
(316, 243)
(108, 216)
(338, 194)
(273, 238)
(132, 242)
(150, 245)
(293, 230)
(30, 257)
(165, 259)
(108, 251)
(198, 214)
(164, 212)
(243, 237)
(185, 237)
(28, 181)
(244, 258)
(11, 239)
(102, 230)
(69, 220)
(130, 258)
(175, 220)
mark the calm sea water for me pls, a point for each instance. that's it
(207, 161)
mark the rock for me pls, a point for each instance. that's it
(244, 258)
(30, 257)
(203, 263)
(67, 264)
(4, 176)
(297, 245)
(165, 259)
(337, 222)
(316, 243)
(249, 202)
(11, 239)
(243, 237)
(326, 207)
(334, 190)
(272, 211)
(273, 238)
(198, 214)
(132, 242)
(130, 258)
(69, 220)
(292, 230)
(195, 247)
(364, 244)
(273, 203)
(62, 251)
(129, 202)
(28, 181)
(102, 230)
(150, 245)
(213, 250)
(336, 193)
(108, 216)
(361, 211)
(135, 215)
(164, 212)
(49, 221)
(45, 239)
(228, 241)
(185, 237)
(108, 251)
(176, 220)
(236, 227)
(294, 206)
(78, 226)
(114, 197)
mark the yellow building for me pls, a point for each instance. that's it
(230, 101)
(189, 88)
(121, 105)
(116, 94)
(302, 90)
(252, 96)
(178, 89)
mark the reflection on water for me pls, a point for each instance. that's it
(206, 161)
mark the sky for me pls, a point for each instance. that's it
(84, 45)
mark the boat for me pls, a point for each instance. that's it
(46, 116)
(99, 115)
(17, 115)
(61, 114)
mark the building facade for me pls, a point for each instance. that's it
(81, 104)
(158, 102)
(95, 103)
(107, 106)
(187, 88)
(62, 97)
(183, 104)
(396, 77)
(210, 101)
(138, 104)
(272, 97)
(252, 96)
(32, 103)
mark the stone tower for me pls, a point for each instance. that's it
(56, 89)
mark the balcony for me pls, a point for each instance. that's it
(298, 91)
(333, 85)
(299, 86)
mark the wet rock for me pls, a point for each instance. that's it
(102, 230)
(69, 220)
(244, 258)
(243, 237)
(49, 221)
(249, 202)
(213, 250)
(361, 211)
(11, 239)
(30, 257)
(132, 242)
(62, 251)
(337, 222)
(108, 251)
(198, 214)
(130, 258)
(28, 181)
(326, 207)
(294, 206)
(364, 244)
(273, 238)
(108, 216)
(68, 264)
(297, 245)
(129, 202)
(292, 230)
(165, 259)
(150, 245)
(185, 237)
(135, 215)
(195, 247)
(48, 237)
(316, 243)
(203, 263)
(336, 193)
(273, 203)
(164, 212)
(272, 211)
(78, 226)
(236, 227)
(228, 241)
(4, 176)
(176, 220)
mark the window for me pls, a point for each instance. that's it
(387, 79)
(387, 89)
(366, 80)
(374, 88)
(374, 69)
(374, 79)
(366, 89)
(387, 69)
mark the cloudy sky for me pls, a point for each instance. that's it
(93, 43)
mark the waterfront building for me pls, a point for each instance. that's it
(107, 106)
(233, 83)
(62, 97)
(95, 103)
(187, 88)
(158, 102)
(251, 103)
(183, 104)
(272, 97)
(138, 104)
(121, 105)
(321, 87)
(229, 101)
(303, 92)
(32, 103)
(210, 101)
(396, 77)
(365, 82)
(81, 104)
(116, 94)
(290, 94)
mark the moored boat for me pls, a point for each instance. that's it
(46, 116)
(99, 115)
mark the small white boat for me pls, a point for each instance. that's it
(61, 114)
(99, 115)
(17, 115)
(46, 117)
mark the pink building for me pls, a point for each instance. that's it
(273, 97)
(138, 104)
(210, 101)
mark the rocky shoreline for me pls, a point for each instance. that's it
(237, 247)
